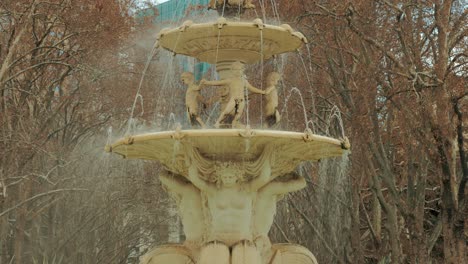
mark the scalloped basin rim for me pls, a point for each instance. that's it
(223, 133)
(242, 41)
(172, 148)
(228, 23)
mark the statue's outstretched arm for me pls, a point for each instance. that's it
(263, 178)
(269, 89)
(197, 87)
(194, 177)
(215, 83)
(278, 187)
(254, 89)
(173, 182)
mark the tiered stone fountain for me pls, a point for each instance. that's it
(227, 180)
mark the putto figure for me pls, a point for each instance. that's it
(247, 4)
(236, 85)
(271, 97)
(193, 99)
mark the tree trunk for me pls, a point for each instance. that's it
(21, 216)
(358, 256)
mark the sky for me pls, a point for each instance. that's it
(141, 3)
(151, 1)
(154, 1)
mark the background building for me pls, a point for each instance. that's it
(174, 12)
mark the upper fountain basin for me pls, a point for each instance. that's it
(248, 42)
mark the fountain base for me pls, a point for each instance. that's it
(278, 254)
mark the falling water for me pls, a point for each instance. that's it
(217, 46)
(174, 227)
(138, 95)
(310, 56)
(333, 198)
(298, 92)
(109, 136)
(335, 114)
(312, 93)
(262, 5)
(247, 145)
(167, 81)
(246, 92)
(171, 120)
(275, 11)
(215, 107)
(261, 77)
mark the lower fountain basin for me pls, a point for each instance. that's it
(237, 145)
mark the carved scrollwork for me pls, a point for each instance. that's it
(201, 45)
(247, 133)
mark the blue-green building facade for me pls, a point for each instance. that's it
(176, 10)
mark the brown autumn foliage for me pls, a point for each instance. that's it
(60, 66)
(393, 71)
(397, 72)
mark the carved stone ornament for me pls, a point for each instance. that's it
(290, 148)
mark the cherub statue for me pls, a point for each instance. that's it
(265, 208)
(236, 102)
(230, 201)
(271, 97)
(247, 4)
(192, 99)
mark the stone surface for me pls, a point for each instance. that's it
(288, 253)
(170, 147)
(226, 183)
(271, 99)
(265, 207)
(193, 99)
(246, 4)
(189, 202)
(168, 254)
(236, 86)
(248, 42)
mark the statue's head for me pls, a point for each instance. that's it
(187, 77)
(273, 77)
(228, 174)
